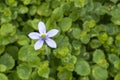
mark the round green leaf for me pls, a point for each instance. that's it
(44, 70)
(7, 60)
(24, 71)
(117, 77)
(82, 68)
(98, 55)
(23, 40)
(80, 3)
(65, 75)
(2, 68)
(99, 73)
(3, 76)
(57, 14)
(4, 31)
(28, 54)
(65, 24)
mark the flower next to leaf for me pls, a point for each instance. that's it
(42, 36)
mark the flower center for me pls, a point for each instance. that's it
(43, 36)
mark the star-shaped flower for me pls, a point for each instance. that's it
(42, 36)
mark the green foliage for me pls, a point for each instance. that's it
(82, 68)
(3, 76)
(97, 73)
(7, 60)
(88, 42)
(24, 71)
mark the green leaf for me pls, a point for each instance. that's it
(2, 48)
(80, 3)
(117, 64)
(2, 68)
(3, 76)
(84, 37)
(117, 40)
(9, 49)
(22, 9)
(82, 68)
(6, 17)
(99, 73)
(32, 10)
(89, 24)
(76, 32)
(7, 60)
(28, 54)
(112, 58)
(64, 75)
(44, 70)
(33, 23)
(65, 24)
(11, 2)
(13, 76)
(99, 58)
(57, 14)
(114, 1)
(23, 40)
(98, 55)
(117, 77)
(24, 71)
(26, 2)
(61, 52)
(103, 37)
(44, 10)
(95, 43)
(4, 31)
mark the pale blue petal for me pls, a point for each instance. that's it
(52, 32)
(34, 35)
(41, 27)
(51, 43)
(38, 44)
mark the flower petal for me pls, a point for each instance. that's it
(51, 43)
(41, 27)
(38, 44)
(34, 35)
(52, 32)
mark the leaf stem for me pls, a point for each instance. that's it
(46, 48)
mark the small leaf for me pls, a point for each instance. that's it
(44, 70)
(24, 71)
(4, 31)
(82, 68)
(98, 55)
(44, 10)
(22, 9)
(23, 40)
(28, 54)
(3, 76)
(117, 77)
(65, 24)
(76, 32)
(7, 60)
(57, 14)
(64, 75)
(2, 68)
(80, 3)
(2, 48)
(99, 73)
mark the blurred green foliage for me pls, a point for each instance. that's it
(88, 43)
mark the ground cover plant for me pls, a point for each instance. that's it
(87, 42)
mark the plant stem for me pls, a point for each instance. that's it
(46, 48)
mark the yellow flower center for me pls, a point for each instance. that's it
(43, 36)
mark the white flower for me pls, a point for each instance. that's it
(42, 36)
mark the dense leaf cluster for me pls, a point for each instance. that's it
(88, 43)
